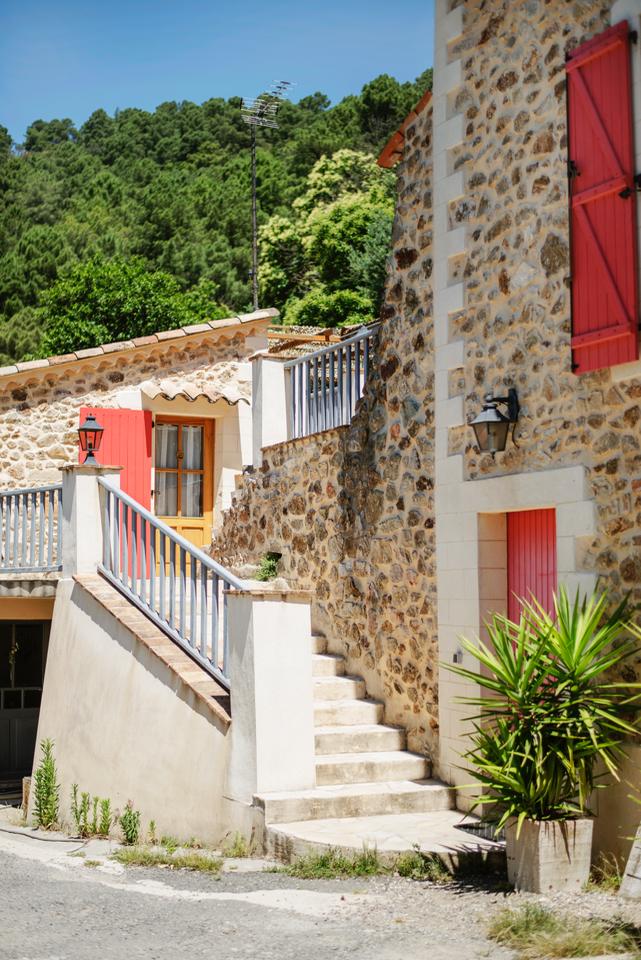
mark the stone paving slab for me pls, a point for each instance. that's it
(436, 832)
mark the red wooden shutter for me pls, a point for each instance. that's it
(531, 559)
(603, 213)
(126, 442)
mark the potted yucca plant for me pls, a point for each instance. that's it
(552, 711)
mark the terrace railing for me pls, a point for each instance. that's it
(179, 587)
(325, 386)
(31, 530)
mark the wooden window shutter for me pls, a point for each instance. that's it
(126, 443)
(603, 202)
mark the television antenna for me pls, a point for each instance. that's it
(261, 111)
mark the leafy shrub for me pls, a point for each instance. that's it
(129, 821)
(46, 788)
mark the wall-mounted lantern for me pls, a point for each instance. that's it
(491, 426)
(90, 433)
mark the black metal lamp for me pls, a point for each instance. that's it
(491, 427)
(90, 433)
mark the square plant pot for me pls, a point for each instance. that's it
(549, 854)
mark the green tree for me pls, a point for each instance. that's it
(104, 301)
(322, 308)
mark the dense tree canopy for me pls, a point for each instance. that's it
(153, 210)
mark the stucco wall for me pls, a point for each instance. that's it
(351, 510)
(125, 726)
(39, 408)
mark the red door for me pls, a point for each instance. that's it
(605, 309)
(126, 443)
(531, 559)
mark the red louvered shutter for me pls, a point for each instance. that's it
(126, 442)
(603, 203)
(531, 559)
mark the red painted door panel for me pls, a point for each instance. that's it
(531, 559)
(605, 304)
(126, 442)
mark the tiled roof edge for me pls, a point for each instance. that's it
(161, 337)
(392, 152)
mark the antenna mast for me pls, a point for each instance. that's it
(260, 112)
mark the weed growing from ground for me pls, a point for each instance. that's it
(92, 863)
(143, 857)
(151, 833)
(170, 844)
(129, 821)
(606, 875)
(422, 866)
(106, 818)
(46, 789)
(332, 863)
(238, 847)
(535, 933)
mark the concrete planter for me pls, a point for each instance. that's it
(549, 854)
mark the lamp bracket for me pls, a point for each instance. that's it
(511, 402)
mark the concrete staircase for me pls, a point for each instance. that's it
(369, 787)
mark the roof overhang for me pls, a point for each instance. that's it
(392, 152)
(183, 390)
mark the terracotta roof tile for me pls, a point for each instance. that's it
(193, 330)
(392, 152)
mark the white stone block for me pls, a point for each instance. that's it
(565, 554)
(450, 356)
(576, 519)
(450, 470)
(450, 413)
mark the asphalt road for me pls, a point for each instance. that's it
(55, 907)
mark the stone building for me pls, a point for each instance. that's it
(514, 265)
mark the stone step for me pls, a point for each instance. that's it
(351, 800)
(346, 713)
(327, 665)
(359, 738)
(435, 833)
(339, 688)
(319, 643)
(370, 767)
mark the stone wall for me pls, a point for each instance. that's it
(39, 408)
(516, 324)
(351, 510)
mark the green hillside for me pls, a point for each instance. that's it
(140, 220)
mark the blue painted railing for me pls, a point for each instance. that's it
(179, 587)
(325, 386)
(31, 529)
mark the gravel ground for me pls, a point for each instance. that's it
(55, 907)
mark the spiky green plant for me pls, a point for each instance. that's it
(552, 706)
(46, 788)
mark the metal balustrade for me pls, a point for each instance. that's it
(325, 386)
(31, 529)
(174, 583)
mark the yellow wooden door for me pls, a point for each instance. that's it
(184, 477)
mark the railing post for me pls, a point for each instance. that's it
(270, 670)
(271, 404)
(82, 516)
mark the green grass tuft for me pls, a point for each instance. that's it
(237, 847)
(536, 933)
(331, 864)
(92, 863)
(422, 866)
(606, 875)
(143, 857)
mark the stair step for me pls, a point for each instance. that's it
(352, 800)
(437, 833)
(327, 665)
(346, 713)
(370, 767)
(319, 643)
(359, 738)
(339, 688)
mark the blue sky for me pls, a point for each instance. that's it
(66, 58)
